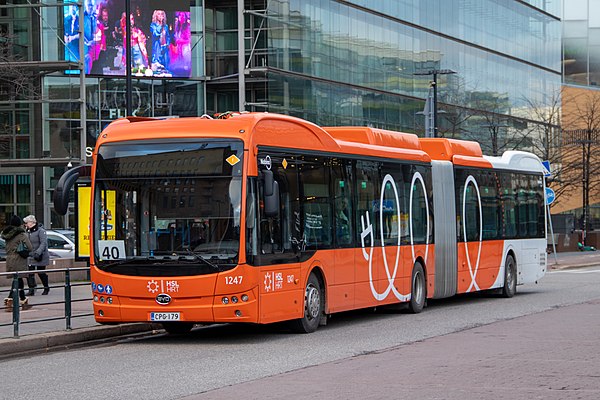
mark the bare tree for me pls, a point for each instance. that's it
(15, 80)
(454, 113)
(546, 142)
(19, 81)
(546, 134)
(492, 126)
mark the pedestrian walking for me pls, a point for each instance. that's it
(39, 257)
(18, 247)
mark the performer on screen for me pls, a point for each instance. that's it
(181, 51)
(139, 54)
(161, 38)
(72, 34)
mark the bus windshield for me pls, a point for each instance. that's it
(167, 207)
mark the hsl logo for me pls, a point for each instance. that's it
(163, 299)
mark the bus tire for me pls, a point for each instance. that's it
(418, 290)
(314, 304)
(510, 278)
(178, 328)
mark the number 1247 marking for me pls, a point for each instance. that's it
(233, 280)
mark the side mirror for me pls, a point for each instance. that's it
(272, 201)
(64, 185)
(268, 183)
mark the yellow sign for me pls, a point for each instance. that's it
(107, 212)
(83, 220)
(107, 224)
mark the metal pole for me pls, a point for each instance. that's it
(583, 185)
(241, 57)
(15, 304)
(127, 50)
(82, 91)
(552, 233)
(434, 73)
(68, 300)
(435, 105)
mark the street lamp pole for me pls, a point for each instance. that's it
(434, 73)
(127, 50)
(585, 169)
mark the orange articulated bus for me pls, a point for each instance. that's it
(261, 218)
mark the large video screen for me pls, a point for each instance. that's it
(160, 41)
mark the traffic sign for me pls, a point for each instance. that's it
(550, 196)
(546, 165)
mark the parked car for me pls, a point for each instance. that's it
(61, 243)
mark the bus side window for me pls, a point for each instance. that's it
(278, 234)
(508, 199)
(341, 177)
(317, 208)
(367, 193)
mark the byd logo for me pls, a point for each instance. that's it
(163, 299)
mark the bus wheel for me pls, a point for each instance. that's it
(177, 328)
(313, 307)
(418, 290)
(510, 278)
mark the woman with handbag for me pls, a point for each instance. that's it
(39, 257)
(18, 247)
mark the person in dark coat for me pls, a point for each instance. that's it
(39, 257)
(14, 234)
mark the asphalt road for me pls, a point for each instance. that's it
(512, 359)
(265, 362)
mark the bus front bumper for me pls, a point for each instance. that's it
(236, 307)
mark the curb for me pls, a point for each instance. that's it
(49, 341)
(558, 267)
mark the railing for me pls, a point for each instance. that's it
(68, 300)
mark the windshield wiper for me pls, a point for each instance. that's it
(204, 260)
(113, 264)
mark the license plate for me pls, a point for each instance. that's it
(165, 316)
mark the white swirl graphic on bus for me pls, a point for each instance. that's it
(367, 231)
(472, 271)
(418, 177)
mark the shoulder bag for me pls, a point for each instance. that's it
(22, 249)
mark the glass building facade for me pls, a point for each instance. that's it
(353, 62)
(356, 62)
(581, 42)
(581, 78)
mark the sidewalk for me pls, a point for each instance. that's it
(573, 259)
(42, 336)
(50, 306)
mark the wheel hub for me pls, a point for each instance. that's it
(313, 302)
